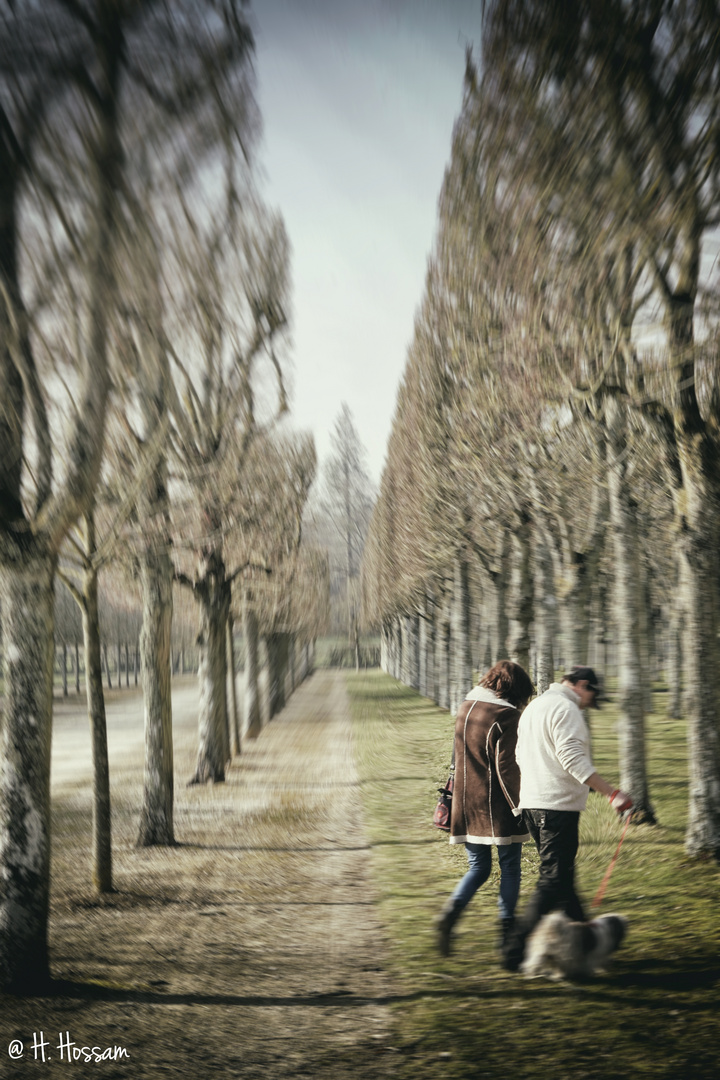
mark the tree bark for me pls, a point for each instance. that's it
(251, 698)
(499, 578)
(64, 670)
(521, 594)
(277, 650)
(28, 596)
(214, 748)
(544, 615)
(673, 672)
(107, 665)
(628, 602)
(156, 575)
(442, 657)
(101, 810)
(234, 723)
(699, 577)
(461, 661)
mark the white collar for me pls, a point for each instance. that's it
(566, 691)
(481, 693)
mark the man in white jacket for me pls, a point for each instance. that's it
(556, 776)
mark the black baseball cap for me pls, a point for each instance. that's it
(578, 673)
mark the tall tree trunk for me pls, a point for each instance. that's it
(673, 672)
(629, 599)
(443, 654)
(101, 809)
(398, 648)
(411, 651)
(426, 650)
(431, 678)
(28, 597)
(521, 593)
(156, 576)
(234, 723)
(498, 613)
(544, 614)
(277, 648)
(214, 749)
(77, 668)
(107, 665)
(251, 697)
(384, 643)
(701, 662)
(461, 663)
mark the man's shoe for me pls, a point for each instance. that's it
(506, 929)
(512, 959)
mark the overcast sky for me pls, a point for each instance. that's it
(358, 99)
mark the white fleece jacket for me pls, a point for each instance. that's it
(553, 752)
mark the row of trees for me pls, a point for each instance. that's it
(551, 489)
(144, 298)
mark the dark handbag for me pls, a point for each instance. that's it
(443, 810)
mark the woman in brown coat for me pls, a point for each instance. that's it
(487, 785)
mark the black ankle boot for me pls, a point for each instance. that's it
(444, 924)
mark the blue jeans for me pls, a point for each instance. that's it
(480, 861)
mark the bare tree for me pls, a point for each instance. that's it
(348, 505)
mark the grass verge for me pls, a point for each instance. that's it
(653, 1014)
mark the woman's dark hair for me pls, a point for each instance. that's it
(510, 682)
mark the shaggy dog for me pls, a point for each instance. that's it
(561, 948)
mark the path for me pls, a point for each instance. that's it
(252, 948)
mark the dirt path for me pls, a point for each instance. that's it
(253, 947)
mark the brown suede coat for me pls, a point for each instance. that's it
(487, 778)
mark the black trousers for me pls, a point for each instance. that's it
(555, 833)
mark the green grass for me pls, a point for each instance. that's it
(655, 1012)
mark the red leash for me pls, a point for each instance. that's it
(603, 884)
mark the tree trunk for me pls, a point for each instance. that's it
(499, 580)
(277, 650)
(698, 552)
(28, 596)
(214, 749)
(64, 669)
(673, 672)
(426, 651)
(544, 615)
(251, 698)
(234, 724)
(77, 668)
(411, 651)
(461, 660)
(101, 810)
(107, 665)
(442, 657)
(628, 601)
(398, 649)
(156, 575)
(521, 594)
